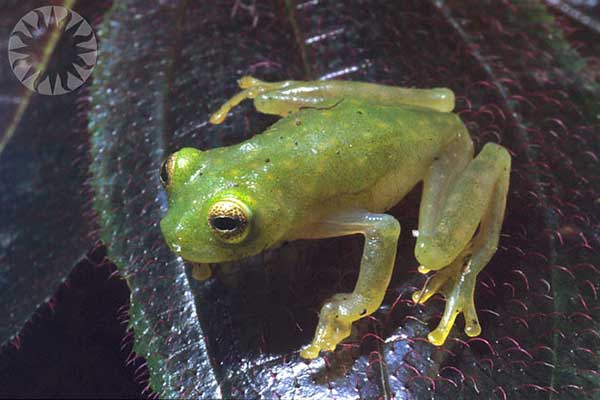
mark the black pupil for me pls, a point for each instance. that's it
(225, 223)
(164, 174)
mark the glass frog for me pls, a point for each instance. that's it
(341, 155)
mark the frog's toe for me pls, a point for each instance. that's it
(423, 269)
(328, 336)
(458, 301)
(251, 86)
(310, 352)
(439, 335)
(333, 327)
(434, 285)
(201, 272)
(248, 81)
(472, 327)
(456, 283)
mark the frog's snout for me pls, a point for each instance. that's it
(182, 233)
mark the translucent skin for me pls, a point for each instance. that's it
(343, 153)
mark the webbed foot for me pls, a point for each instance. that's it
(456, 283)
(335, 324)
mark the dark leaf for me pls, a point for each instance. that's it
(586, 12)
(164, 68)
(45, 222)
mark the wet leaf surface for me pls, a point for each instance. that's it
(164, 67)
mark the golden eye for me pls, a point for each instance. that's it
(166, 170)
(229, 219)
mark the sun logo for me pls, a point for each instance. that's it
(52, 50)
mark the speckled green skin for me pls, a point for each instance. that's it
(343, 153)
(352, 155)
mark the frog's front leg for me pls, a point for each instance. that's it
(460, 195)
(381, 232)
(285, 97)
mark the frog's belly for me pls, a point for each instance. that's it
(389, 190)
(384, 194)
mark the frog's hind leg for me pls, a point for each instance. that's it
(286, 97)
(456, 201)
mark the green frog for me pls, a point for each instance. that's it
(341, 155)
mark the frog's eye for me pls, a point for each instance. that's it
(166, 170)
(230, 220)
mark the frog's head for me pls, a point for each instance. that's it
(210, 218)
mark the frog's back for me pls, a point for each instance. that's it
(348, 150)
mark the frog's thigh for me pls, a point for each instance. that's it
(439, 179)
(381, 233)
(476, 197)
(462, 207)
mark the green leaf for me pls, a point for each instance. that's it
(164, 67)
